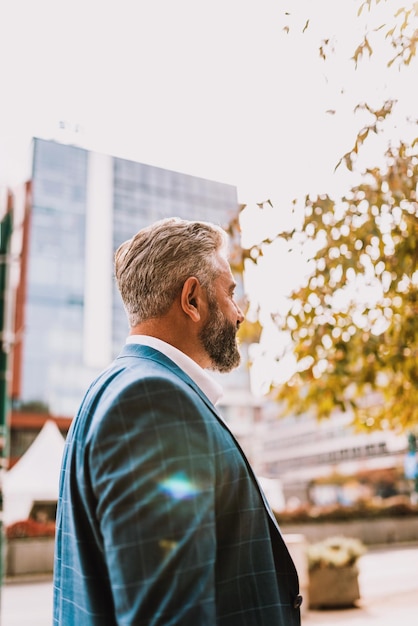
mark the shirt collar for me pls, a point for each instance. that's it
(210, 387)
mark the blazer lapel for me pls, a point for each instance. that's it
(142, 351)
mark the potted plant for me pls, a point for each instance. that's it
(30, 547)
(333, 572)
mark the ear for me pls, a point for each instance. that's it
(191, 298)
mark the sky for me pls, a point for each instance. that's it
(212, 88)
(230, 90)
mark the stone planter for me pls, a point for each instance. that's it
(29, 556)
(333, 587)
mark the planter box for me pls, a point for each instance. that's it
(29, 556)
(333, 587)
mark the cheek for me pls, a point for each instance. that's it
(231, 314)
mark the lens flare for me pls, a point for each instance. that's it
(179, 487)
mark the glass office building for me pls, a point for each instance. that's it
(84, 204)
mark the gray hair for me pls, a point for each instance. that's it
(151, 268)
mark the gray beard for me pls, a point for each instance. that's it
(219, 340)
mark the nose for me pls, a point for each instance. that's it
(241, 317)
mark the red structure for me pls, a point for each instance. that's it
(23, 425)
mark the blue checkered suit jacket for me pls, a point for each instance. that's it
(160, 519)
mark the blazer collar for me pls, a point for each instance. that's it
(210, 387)
(148, 352)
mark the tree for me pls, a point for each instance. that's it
(353, 324)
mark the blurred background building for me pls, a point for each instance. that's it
(328, 462)
(70, 323)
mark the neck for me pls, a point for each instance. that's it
(179, 338)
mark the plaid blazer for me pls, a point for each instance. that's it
(160, 519)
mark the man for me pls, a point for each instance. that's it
(160, 518)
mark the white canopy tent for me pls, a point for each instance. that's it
(35, 476)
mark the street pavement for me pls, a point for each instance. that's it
(388, 586)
